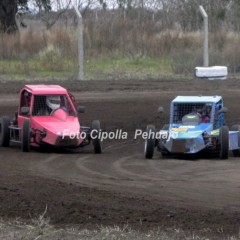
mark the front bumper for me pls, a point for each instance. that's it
(193, 145)
(66, 142)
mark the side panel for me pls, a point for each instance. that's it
(233, 140)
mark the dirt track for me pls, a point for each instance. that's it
(120, 186)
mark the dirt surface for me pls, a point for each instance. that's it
(121, 187)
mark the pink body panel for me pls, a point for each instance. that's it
(46, 89)
(58, 129)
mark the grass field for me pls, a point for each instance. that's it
(143, 55)
(101, 68)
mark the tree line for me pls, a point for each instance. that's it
(169, 14)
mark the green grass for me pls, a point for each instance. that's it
(128, 68)
(17, 68)
(101, 68)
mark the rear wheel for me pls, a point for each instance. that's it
(26, 137)
(224, 142)
(236, 152)
(4, 131)
(95, 136)
(150, 142)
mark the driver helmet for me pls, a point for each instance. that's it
(207, 109)
(53, 102)
(199, 112)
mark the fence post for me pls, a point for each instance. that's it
(205, 43)
(80, 45)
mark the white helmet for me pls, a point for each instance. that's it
(53, 102)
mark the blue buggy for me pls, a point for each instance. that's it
(196, 125)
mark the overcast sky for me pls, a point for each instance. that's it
(59, 4)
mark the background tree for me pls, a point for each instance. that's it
(9, 9)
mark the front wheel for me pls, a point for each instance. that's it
(95, 136)
(4, 131)
(150, 142)
(26, 136)
(224, 142)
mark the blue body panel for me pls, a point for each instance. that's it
(188, 138)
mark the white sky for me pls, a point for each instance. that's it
(60, 4)
(112, 4)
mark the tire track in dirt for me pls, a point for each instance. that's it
(88, 173)
(119, 166)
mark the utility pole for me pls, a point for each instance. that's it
(80, 45)
(205, 43)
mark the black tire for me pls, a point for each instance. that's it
(150, 142)
(224, 142)
(236, 152)
(95, 137)
(165, 154)
(26, 136)
(4, 131)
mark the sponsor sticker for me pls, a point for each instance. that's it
(215, 132)
(180, 129)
